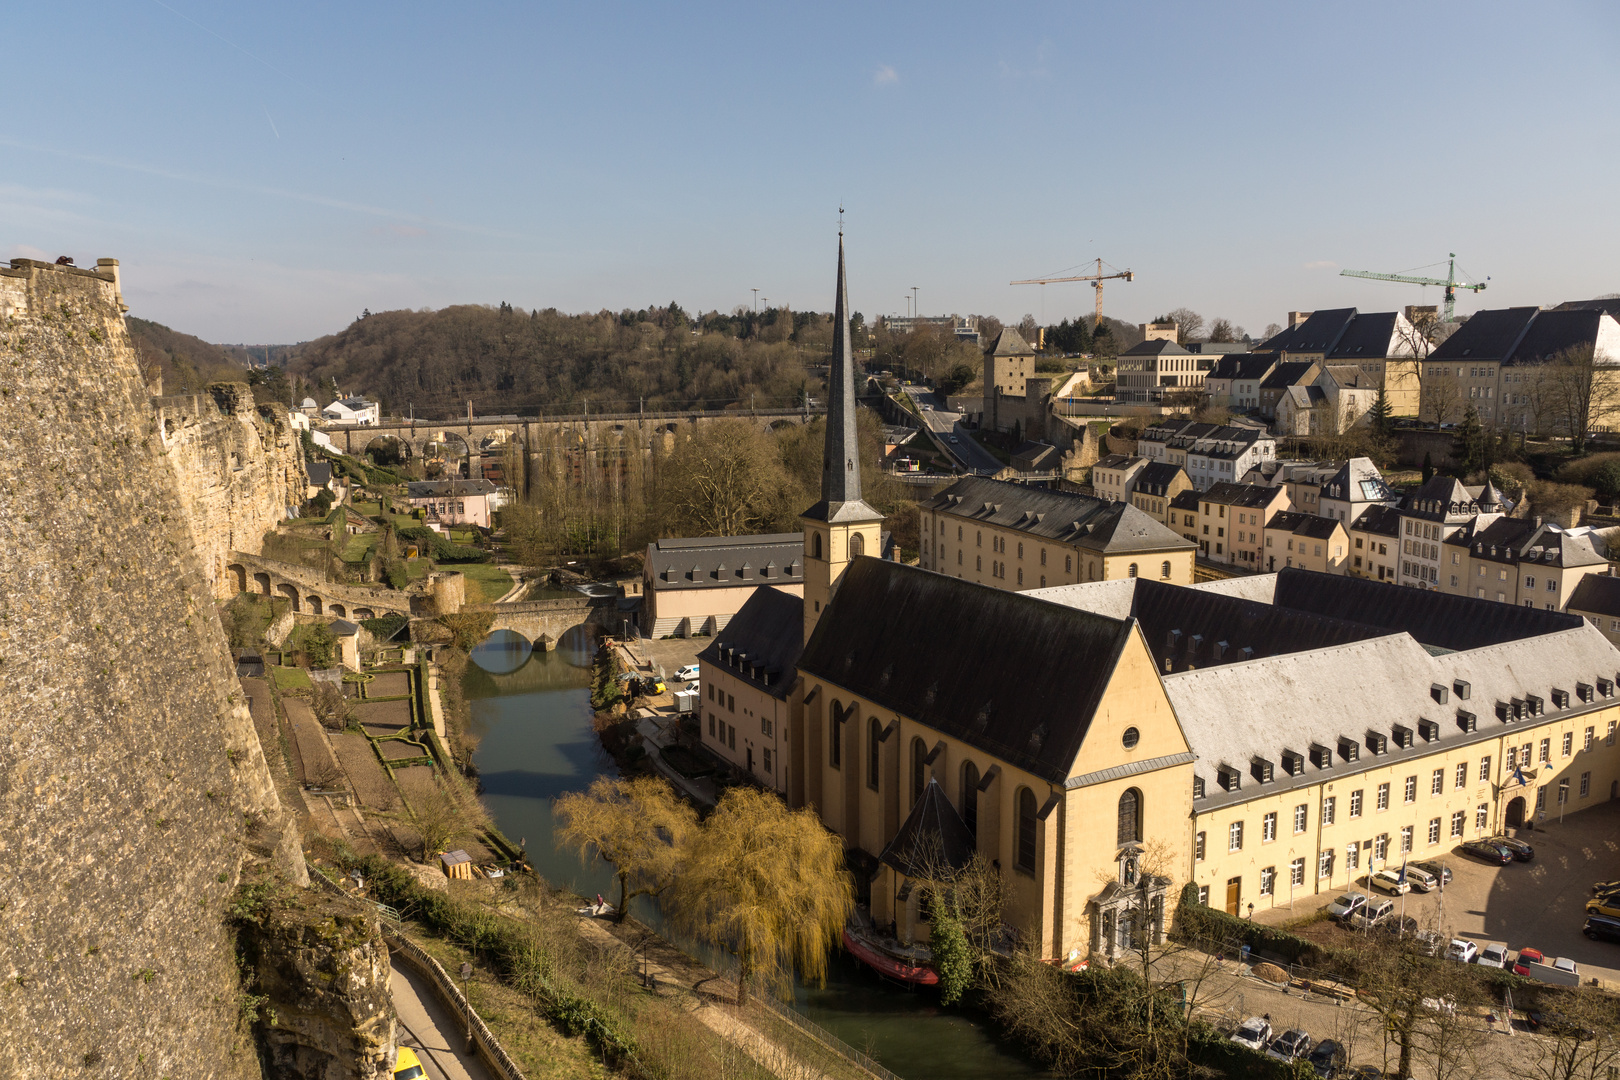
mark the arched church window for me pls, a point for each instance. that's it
(874, 752)
(970, 797)
(857, 545)
(919, 769)
(1026, 830)
(815, 545)
(1130, 818)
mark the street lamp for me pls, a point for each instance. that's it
(466, 973)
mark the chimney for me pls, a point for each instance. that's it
(1297, 317)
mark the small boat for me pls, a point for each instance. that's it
(596, 911)
(889, 966)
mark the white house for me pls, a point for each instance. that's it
(351, 411)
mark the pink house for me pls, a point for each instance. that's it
(456, 502)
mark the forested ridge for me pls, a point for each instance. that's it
(506, 360)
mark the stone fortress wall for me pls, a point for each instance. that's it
(130, 773)
(239, 468)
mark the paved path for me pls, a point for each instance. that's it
(427, 1027)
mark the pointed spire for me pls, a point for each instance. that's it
(841, 462)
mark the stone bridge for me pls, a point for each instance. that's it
(544, 622)
(310, 594)
(588, 434)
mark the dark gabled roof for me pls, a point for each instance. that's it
(1443, 498)
(1116, 461)
(1246, 495)
(1186, 500)
(1379, 520)
(1491, 334)
(1319, 333)
(1157, 477)
(762, 642)
(319, 472)
(1063, 516)
(1242, 366)
(439, 489)
(1172, 616)
(1287, 374)
(1010, 343)
(1368, 336)
(1598, 594)
(1552, 332)
(933, 843)
(1160, 347)
(1610, 304)
(707, 562)
(1436, 619)
(1515, 540)
(1350, 376)
(960, 657)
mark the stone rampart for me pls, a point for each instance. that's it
(130, 771)
(239, 468)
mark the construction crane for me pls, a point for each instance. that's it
(1450, 284)
(1096, 282)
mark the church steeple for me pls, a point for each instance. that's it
(841, 526)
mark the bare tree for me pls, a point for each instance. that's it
(639, 825)
(331, 705)
(1271, 331)
(724, 479)
(440, 819)
(1442, 394)
(1029, 329)
(1222, 330)
(1585, 387)
(1580, 1039)
(1189, 325)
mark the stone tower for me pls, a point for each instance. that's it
(841, 526)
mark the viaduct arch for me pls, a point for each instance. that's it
(308, 594)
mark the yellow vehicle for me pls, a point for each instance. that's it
(407, 1066)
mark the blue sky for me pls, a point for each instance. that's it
(265, 171)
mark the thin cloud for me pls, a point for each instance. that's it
(399, 230)
(885, 76)
(1322, 264)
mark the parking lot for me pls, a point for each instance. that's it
(1539, 904)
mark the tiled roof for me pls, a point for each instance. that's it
(1010, 343)
(933, 842)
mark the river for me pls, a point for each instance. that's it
(532, 717)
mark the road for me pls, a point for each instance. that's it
(944, 423)
(426, 1026)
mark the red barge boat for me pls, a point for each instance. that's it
(890, 967)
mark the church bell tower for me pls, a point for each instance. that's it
(841, 526)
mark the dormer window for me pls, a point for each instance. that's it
(1403, 736)
(1377, 742)
(1230, 778)
(1321, 756)
(1560, 699)
(1467, 720)
(1262, 770)
(1584, 692)
(1605, 687)
(1429, 730)
(1349, 749)
(1198, 787)
(1293, 762)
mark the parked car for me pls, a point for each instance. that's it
(1254, 1033)
(1556, 1023)
(1346, 905)
(1520, 850)
(1602, 928)
(1327, 1059)
(1420, 879)
(954, 439)
(1493, 956)
(1462, 951)
(1557, 971)
(406, 1065)
(1612, 885)
(1291, 1045)
(1436, 868)
(1525, 958)
(687, 673)
(1370, 914)
(1487, 851)
(1389, 881)
(1604, 905)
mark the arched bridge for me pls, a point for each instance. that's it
(544, 622)
(310, 594)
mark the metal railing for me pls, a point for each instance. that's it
(489, 1048)
(826, 1038)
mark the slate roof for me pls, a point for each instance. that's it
(441, 489)
(1115, 461)
(1237, 366)
(1287, 374)
(1514, 540)
(1597, 593)
(933, 842)
(1063, 516)
(1609, 304)
(1318, 333)
(960, 657)
(1491, 334)
(1160, 347)
(709, 562)
(1443, 498)
(1236, 713)
(1157, 478)
(1350, 377)
(1246, 495)
(1357, 480)
(762, 642)
(1551, 332)
(1367, 336)
(1305, 397)
(319, 472)
(1186, 500)
(1308, 525)
(1010, 343)
(1379, 520)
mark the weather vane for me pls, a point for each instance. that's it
(840, 219)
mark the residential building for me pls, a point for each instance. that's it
(694, 585)
(1114, 477)
(456, 502)
(1306, 541)
(1016, 537)
(1500, 362)
(351, 411)
(1231, 521)
(1384, 346)
(1155, 487)
(1181, 516)
(1284, 375)
(1355, 485)
(1342, 397)
(1209, 453)
(1518, 561)
(1152, 371)
(1375, 543)
(1234, 381)
(1009, 362)
(1429, 516)
(745, 703)
(1597, 600)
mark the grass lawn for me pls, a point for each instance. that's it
(486, 582)
(291, 678)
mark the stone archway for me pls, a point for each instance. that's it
(236, 574)
(361, 614)
(1514, 817)
(262, 580)
(291, 593)
(388, 451)
(336, 609)
(314, 604)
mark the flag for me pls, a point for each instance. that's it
(1403, 870)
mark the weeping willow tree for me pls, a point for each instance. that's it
(639, 825)
(768, 885)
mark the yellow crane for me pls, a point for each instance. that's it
(1096, 280)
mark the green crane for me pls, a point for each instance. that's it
(1450, 282)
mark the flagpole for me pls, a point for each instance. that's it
(1403, 894)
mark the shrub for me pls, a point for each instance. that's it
(319, 645)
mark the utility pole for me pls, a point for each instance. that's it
(756, 301)
(466, 973)
(915, 310)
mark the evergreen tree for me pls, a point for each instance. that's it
(1380, 415)
(1428, 466)
(1468, 443)
(949, 945)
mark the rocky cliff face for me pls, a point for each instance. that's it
(130, 773)
(239, 470)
